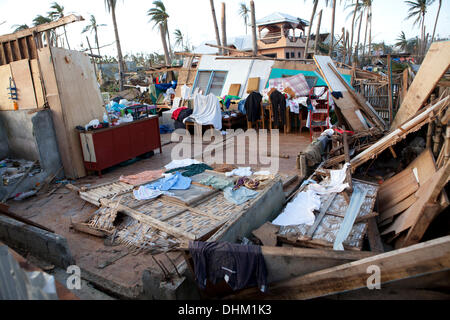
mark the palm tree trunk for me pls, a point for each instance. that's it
(370, 35)
(313, 13)
(168, 39)
(162, 30)
(353, 31)
(96, 41)
(333, 19)
(436, 21)
(365, 34)
(253, 19)
(359, 34)
(318, 32)
(119, 49)
(224, 28)
(216, 26)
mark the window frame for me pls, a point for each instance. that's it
(211, 77)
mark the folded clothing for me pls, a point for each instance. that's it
(240, 172)
(145, 193)
(176, 113)
(192, 170)
(217, 182)
(171, 182)
(181, 163)
(141, 178)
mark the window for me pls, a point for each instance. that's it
(287, 55)
(300, 54)
(293, 55)
(210, 82)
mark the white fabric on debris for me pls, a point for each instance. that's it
(207, 111)
(240, 172)
(262, 173)
(175, 164)
(335, 182)
(300, 210)
(185, 92)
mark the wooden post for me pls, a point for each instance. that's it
(318, 32)
(224, 29)
(216, 27)
(391, 111)
(255, 40)
(95, 64)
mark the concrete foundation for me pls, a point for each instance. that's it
(40, 243)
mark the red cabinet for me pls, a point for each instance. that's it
(105, 148)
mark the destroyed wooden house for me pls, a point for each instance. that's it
(369, 189)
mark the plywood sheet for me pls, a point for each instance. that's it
(75, 99)
(436, 63)
(425, 165)
(397, 189)
(5, 74)
(234, 89)
(21, 73)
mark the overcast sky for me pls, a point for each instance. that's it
(193, 18)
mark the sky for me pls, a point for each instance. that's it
(193, 18)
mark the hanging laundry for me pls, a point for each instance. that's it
(253, 106)
(278, 108)
(241, 266)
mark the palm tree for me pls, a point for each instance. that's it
(93, 27)
(179, 38)
(367, 4)
(436, 21)
(216, 26)
(417, 11)
(333, 19)
(402, 42)
(313, 13)
(244, 12)
(56, 14)
(40, 19)
(19, 27)
(161, 13)
(159, 16)
(359, 33)
(111, 7)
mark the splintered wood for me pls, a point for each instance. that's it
(325, 234)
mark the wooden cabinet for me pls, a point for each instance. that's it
(105, 148)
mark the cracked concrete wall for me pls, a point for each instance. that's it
(4, 145)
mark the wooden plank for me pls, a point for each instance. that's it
(37, 82)
(391, 194)
(3, 60)
(21, 73)
(323, 210)
(398, 208)
(427, 194)
(424, 258)
(41, 28)
(425, 165)
(436, 63)
(5, 74)
(373, 235)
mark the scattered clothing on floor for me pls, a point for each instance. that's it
(171, 182)
(253, 106)
(224, 167)
(145, 193)
(239, 196)
(181, 163)
(165, 129)
(337, 94)
(217, 182)
(240, 172)
(241, 266)
(141, 178)
(262, 173)
(192, 170)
